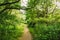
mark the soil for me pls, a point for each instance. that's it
(26, 35)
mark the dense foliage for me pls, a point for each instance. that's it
(10, 20)
(44, 20)
(42, 16)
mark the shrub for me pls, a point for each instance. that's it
(10, 32)
(45, 28)
(44, 32)
(10, 25)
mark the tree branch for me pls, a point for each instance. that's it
(9, 3)
(23, 8)
(54, 10)
(3, 10)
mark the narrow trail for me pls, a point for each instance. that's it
(26, 35)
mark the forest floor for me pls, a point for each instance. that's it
(26, 35)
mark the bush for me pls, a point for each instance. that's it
(43, 24)
(45, 28)
(10, 32)
(44, 32)
(10, 25)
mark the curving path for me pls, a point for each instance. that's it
(26, 35)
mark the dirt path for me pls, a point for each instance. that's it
(26, 35)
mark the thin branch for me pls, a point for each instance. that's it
(9, 3)
(13, 8)
(54, 10)
(3, 10)
(23, 8)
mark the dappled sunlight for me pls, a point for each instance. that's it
(29, 20)
(58, 5)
